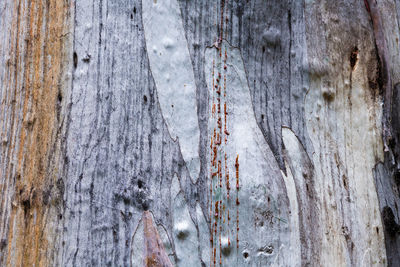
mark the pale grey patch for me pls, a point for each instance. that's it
(173, 75)
(295, 244)
(138, 246)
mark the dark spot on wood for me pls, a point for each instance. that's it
(127, 201)
(345, 232)
(245, 254)
(380, 80)
(46, 196)
(26, 204)
(61, 187)
(145, 206)
(3, 244)
(353, 57)
(30, 122)
(391, 143)
(226, 250)
(75, 59)
(372, 85)
(182, 235)
(267, 249)
(396, 177)
(140, 183)
(391, 227)
(25, 200)
(263, 49)
(59, 96)
(328, 96)
(145, 99)
(87, 58)
(345, 184)
(60, 216)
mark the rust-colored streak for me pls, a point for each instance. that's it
(155, 254)
(220, 203)
(237, 228)
(237, 172)
(237, 201)
(39, 52)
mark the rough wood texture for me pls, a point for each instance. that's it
(35, 56)
(113, 129)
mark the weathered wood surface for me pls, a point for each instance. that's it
(107, 111)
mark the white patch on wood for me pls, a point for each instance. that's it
(299, 172)
(345, 132)
(292, 146)
(172, 71)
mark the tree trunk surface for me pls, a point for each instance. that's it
(199, 133)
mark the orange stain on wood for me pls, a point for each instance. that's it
(39, 53)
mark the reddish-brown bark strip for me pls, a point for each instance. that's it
(155, 253)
